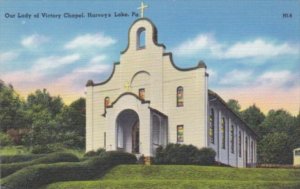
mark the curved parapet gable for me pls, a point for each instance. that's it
(133, 31)
(91, 83)
(201, 63)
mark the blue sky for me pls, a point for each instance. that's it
(251, 50)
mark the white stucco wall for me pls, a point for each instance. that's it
(225, 155)
(153, 69)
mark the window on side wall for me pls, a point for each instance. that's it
(142, 94)
(106, 102)
(223, 132)
(212, 126)
(179, 97)
(180, 133)
(240, 144)
(232, 138)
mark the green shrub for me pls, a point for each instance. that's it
(100, 151)
(7, 169)
(116, 157)
(206, 156)
(141, 160)
(184, 155)
(93, 153)
(38, 175)
(46, 149)
(5, 140)
(19, 158)
(90, 154)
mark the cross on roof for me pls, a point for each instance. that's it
(142, 7)
(127, 87)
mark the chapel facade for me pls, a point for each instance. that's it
(148, 102)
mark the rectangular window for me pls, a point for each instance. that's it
(212, 127)
(142, 94)
(179, 97)
(104, 140)
(180, 132)
(223, 132)
(232, 138)
(251, 151)
(240, 144)
(297, 153)
(106, 102)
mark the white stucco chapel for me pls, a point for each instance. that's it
(148, 102)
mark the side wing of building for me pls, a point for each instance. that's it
(234, 142)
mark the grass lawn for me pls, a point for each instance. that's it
(21, 150)
(14, 150)
(190, 177)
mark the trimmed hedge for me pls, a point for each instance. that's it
(184, 155)
(7, 169)
(19, 158)
(48, 148)
(94, 153)
(5, 140)
(38, 175)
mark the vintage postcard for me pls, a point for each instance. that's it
(187, 90)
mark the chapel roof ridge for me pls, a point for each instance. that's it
(214, 94)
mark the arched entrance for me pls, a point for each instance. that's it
(128, 131)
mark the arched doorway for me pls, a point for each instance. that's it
(128, 131)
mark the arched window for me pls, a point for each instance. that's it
(223, 132)
(240, 144)
(179, 96)
(212, 126)
(232, 138)
(106, 102)
(141, 38)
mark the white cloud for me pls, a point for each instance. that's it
(8, 56)
(97, 68)
(90, 40)
(211, 72)
(213, 75)
(98, 59)
(23, 79)
(55, 61)
(38, 74)
(257, 48)
(96, 65)
(202, 42)
(271, 79)
(237, 77)
(34, 41)
(277, 79)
